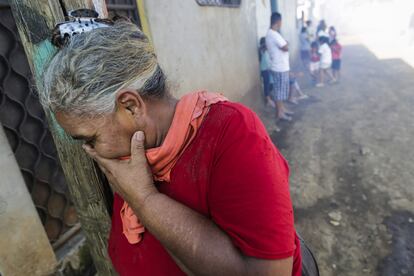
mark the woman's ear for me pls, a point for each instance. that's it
(130, 101)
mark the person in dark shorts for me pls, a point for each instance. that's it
(305, 47)
(265, 72)
(336, 49)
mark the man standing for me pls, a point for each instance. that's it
(279, 55)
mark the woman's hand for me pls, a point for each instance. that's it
(131, 179)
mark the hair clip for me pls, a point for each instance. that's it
(78, 21)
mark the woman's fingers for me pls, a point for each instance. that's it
(129, 178)
(102, 162)
(137, 147)
(89, 150)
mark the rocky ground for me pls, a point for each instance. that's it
(351, 152)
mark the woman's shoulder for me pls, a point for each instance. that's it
(236, 118)
(231, 110)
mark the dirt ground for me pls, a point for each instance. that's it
(351, 153)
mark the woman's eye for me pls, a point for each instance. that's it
(90, 142)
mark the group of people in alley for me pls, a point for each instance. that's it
(320, 53)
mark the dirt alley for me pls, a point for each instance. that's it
(351, 152)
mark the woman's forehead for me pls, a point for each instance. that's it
(79, 126)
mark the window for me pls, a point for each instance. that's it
(221, 3)
(127, 8)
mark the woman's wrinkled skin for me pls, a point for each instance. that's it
(193, 241)
(110, 135)
(106, 88)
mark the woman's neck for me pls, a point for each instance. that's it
(164, 111)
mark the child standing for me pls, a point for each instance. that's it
(332, 34)
(336, 49)
(325, 62)
(314, 61)
(265, 72)
(321, 30)
(304, 47)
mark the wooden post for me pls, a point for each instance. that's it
(35, 20)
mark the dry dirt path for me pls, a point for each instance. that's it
(351, 152)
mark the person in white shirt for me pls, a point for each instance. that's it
(278, 49)
(321, 30)
(310, 30)
(325, 61)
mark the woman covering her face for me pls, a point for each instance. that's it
(199, 186)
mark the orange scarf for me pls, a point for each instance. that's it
(189, 114)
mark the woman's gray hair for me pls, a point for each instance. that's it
(84, 77)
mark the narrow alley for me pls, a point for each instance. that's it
(107, 103)
(352, 167)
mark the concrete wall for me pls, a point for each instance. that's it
(24, 247)
(263, 13)
(201, 47)
(290, 28)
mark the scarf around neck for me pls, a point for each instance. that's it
(188, 117)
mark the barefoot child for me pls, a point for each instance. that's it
(265, 72)
(325, 62)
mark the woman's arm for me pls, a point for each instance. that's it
(195, 241)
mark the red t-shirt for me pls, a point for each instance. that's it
(314, 57)
(336, 49)
(233, 174)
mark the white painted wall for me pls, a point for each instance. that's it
(200, 47)
(290, 28)
(263, 13)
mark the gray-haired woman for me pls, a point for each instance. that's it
(199, 186)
